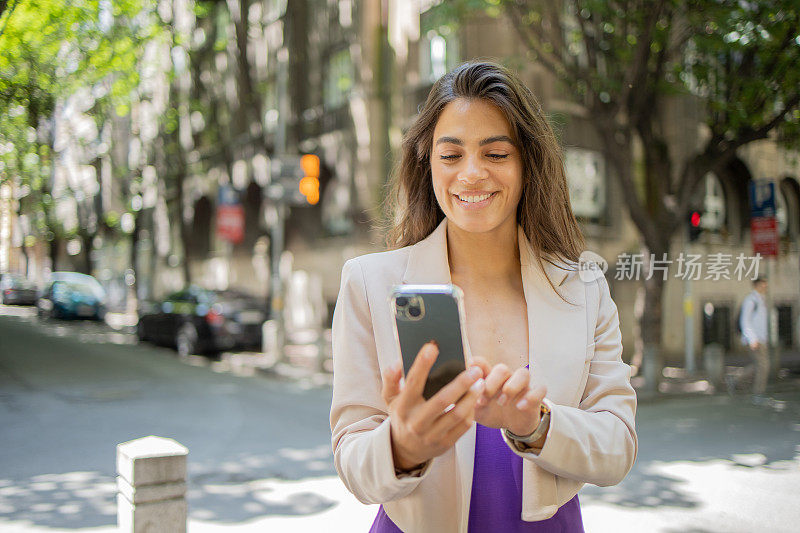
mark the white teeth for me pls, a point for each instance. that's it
(474, 199)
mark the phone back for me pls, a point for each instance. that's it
(430, 312)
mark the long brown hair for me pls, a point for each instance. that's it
(544, 210)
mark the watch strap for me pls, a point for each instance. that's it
(538, 433)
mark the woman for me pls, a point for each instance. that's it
(546, 403)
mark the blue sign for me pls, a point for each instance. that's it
(762, 198)
(227, 195)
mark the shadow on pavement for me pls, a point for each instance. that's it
(70, 500)
(701, 430)
(253, 486)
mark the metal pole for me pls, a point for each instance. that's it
(773, 349)
(688, 314)
(276, 283)
(277, 228)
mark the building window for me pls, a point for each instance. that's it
(713, 204)
(717, 322)
(586, 178)
(339, 79)
(438, 54)
(781, 212)
(785, 326)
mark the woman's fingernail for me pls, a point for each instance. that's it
(522, 404)
(475, 372)
(502, 399)
(431, 350)
(477, 386)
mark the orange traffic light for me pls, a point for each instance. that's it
(309, 184)
(310, 164)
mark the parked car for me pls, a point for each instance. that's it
(197, 320)
(72, 295)
(17, 290)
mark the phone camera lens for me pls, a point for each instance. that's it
(401, 301)
(414, 311)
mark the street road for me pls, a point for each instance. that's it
(259, 449)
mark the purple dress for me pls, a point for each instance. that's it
(496, 502)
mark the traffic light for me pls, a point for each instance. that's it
(309, 183)
(695, 229)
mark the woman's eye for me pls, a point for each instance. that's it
(497, 156)
(448, 157)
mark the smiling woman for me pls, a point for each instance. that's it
(476, 167)
(545, 403)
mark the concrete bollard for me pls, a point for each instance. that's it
(152, 486)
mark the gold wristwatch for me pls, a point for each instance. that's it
(539, 432)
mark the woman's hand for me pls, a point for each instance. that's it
(420, 429)
(508, 401)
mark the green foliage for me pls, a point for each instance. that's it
(48, 50)
(739, 57)
(743, 61)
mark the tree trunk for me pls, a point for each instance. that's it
(54, 245)
(133, 257)
(655, 240)
(85, 263)
(650, 321)
(185, 230)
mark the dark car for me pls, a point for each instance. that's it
(17, 290)
(72, 295)
(197, 320)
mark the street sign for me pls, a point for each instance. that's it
(763, 225)
(230, 215)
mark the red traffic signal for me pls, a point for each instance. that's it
(695, 229)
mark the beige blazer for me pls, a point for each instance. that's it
(575, 350)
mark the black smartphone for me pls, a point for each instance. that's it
(431, 312)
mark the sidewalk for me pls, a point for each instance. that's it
(676, 382)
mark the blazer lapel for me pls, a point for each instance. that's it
(427, 260)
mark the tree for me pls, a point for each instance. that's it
(623, 59)
(49, 49)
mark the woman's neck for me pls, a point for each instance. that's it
(491, 256)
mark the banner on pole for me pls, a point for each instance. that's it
(230, 215)
(763, 225)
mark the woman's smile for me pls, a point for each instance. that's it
(474, 199)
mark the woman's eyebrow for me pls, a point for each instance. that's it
(488, 140)
(497, 138)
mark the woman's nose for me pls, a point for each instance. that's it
(473, 170)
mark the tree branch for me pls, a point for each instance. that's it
(534, 37)
(747, 135)
(589, 40)
(637, 71)
(621, 160)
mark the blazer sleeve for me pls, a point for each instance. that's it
(595, 442)
(359, 421)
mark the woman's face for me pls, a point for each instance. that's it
(476, 166)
